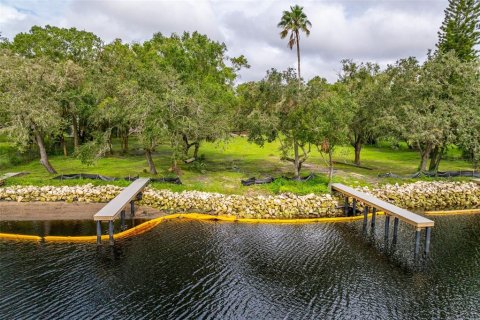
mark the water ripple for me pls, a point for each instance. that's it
(213, 270)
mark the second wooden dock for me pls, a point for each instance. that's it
(399, 214)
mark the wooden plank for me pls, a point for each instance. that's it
(404, 215)
(119, 202)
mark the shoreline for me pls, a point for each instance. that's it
(37, 210)
(82, 202)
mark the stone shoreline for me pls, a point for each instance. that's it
(426, 195)
(419, 195)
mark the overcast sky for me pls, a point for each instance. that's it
(381, 31)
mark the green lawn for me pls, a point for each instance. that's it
(225, 164)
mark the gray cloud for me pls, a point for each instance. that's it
(380, 31)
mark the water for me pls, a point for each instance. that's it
(62, 227)
(209, 270)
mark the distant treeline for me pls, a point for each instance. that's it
(57, 82)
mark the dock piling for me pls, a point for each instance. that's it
(354, 207)
(346, 206)
(395, 229)
(428, 232)
(374, 217)
(122, 220)
(417, 242)
(99, 232)
(365, 218)
(132, 207)
(387, 227)
(110, 232)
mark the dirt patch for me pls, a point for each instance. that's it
(10, 210)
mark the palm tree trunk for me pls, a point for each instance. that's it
(330, 168)
(298, 55)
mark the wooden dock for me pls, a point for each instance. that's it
(399, 214)
(117, 206)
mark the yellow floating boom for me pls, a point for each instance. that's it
(148, 225)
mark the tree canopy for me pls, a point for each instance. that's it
(460, 30)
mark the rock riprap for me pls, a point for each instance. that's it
(418, 195)
(429, 195)
(280, 206)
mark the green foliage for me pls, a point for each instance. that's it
(460, 30)
(293, 22)
(433, 101)
(315, 185)
(57, 44)
(368, 87)
(276, 111)
(202, 105)
(30, 97)
(328, 114)
(225, 165)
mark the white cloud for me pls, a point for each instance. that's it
(380, 31)
(137, 20)
(9, 14)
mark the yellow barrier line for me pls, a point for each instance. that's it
(12, 236)
(453, 212)
(148, 225)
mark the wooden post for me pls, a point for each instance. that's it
(387, 227)
(110, 232)
(374, 216)
(417, 242)
(428, 232)
(365, 218)
(99, 232)
(354, 207)
(346, 206)
(395, 229)
(132, 207)
(122, 220)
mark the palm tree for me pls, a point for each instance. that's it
(293, 22)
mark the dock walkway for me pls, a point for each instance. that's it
(117, 205)
(390, 210)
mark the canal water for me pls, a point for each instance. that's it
(213, 270)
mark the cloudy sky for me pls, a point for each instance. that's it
(380, 31)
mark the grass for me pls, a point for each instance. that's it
(223, 165)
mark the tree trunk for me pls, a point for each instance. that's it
(435, 158)
(296, 160)
(195, 151)
(358, 148)
(125, 143)
(43, 152)
(64, 145)
(425, 154)
(298, 55)
(330, 168)
(187, 145)
(76, 142)
(109, 143)
(151, 164)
